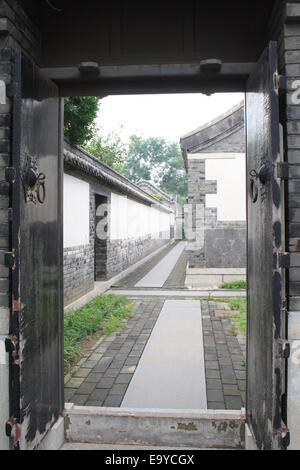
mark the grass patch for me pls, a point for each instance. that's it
(239, 321)
(234, 285)
(103, 314)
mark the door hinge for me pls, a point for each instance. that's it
(284, 349)
(11, 346)
(283, 170)
(280, 82)
(9, 260)
(10, 214)
(284, 305)
(11, 89)
(285, 438)
(10, 174)
(13, 430)
(284, 260)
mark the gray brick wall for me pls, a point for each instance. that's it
(289, 63)
(122, 254)
(78, 272)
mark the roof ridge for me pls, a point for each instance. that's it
(209, 142)
(214, 121)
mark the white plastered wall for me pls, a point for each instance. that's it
(228, 169)
(76, 212)
(130, 219)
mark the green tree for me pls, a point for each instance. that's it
(156, 160)
(110, 150)
(80, 113)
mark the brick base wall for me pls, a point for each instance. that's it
(124, 253)
(78, 272)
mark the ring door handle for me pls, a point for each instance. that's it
(262, 176)
(253, 188)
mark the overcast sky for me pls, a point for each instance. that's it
(168, 116)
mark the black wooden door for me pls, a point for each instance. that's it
(265, 245)
(36, 322)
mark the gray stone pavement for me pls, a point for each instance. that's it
(131, 279)
(103, 377)
(224, 359)
(105, 372)
(158, 275)
(176, 278)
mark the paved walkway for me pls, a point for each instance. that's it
(224, 358)
(131, 279)
(170, 363)
(108, 371)
(159, 274)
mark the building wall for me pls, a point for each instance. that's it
(229, 171)
(104, 235)
(135, 230)
(130, 219)
(78, 238)
(215, 217)
(285, 28)
(76, 211)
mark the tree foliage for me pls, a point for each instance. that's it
(153, 158)
(156, 160)
(110, 150)
(80, 113)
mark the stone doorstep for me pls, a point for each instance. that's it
(225, 313)
(216, 271)
(167, 427)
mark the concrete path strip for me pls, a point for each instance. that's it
(160, 273)
(171, 371)
(177, 293)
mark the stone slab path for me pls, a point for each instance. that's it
(132, 278)
(106, 372)
(165, 376)
(160, 273)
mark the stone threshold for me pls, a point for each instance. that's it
(213, 277)
(156, 427)
(199, 293)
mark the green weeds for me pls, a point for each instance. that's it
(103, 314)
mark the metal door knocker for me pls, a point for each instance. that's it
(41, 187)
(253, 185)
(263, 175)
(34, 182)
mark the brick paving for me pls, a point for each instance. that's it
(176, 279)
(224, 360)
(105, 373)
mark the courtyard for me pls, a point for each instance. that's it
(104, 374)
